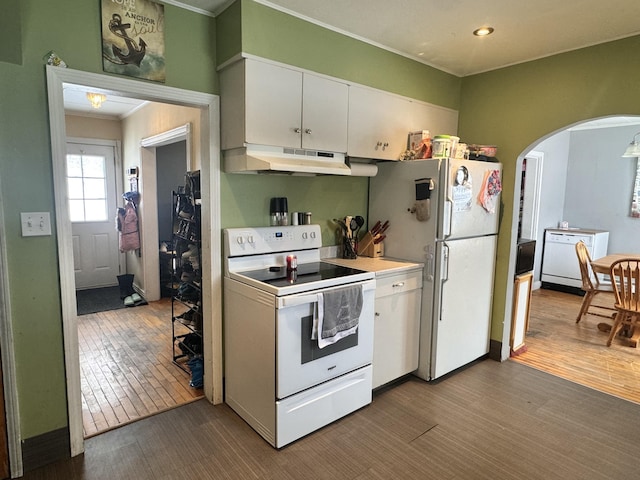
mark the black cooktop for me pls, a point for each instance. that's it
(305, 273)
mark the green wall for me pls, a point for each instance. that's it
(252, 28)
(72, 29)
(517, 106)
(512, 108)
(276, 35)
(192, 44)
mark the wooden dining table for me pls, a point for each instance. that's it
(602, 265)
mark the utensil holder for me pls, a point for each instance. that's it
(349, 248)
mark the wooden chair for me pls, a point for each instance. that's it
(590, 284)
(625, 275)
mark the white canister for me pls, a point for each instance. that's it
(441, 146)
(454, 145)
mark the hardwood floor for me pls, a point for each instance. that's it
(126, 366)
(578, 352)
(493, 421)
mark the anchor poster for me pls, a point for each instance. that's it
(133, 38)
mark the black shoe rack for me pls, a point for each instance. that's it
(186, 299)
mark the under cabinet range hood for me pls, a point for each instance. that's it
(282, 160)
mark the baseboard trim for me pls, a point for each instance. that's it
(495, 350)
(47, 448)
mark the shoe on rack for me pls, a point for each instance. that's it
(186, 322)
(192, 251)
(187, 276)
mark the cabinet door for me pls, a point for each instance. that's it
(438, 120)
(273, 105)
(378, 124)
(324, 114)
(396, 327)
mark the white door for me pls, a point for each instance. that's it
(91, 190)
(464, 215)
(462, 324)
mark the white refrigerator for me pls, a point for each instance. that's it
(444, 213)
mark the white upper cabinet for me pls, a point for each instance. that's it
(267, 104)
(438, 120)
(325, 109)
(379, 124)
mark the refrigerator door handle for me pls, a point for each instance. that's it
(445, 262)
(429, 264)
(444, 276)
(446, 217)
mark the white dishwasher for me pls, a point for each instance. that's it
(560, 265)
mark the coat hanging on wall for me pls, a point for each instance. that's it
(127, 223)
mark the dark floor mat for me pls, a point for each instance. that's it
(98, 300)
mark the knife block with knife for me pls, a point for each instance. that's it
(372, 244)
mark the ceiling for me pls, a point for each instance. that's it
(439, 32)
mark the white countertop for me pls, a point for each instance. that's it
(377, 265)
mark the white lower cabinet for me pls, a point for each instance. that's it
(396, 324)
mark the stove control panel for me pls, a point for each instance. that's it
(260, 240)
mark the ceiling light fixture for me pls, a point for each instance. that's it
(633, 150)
(96, 99)
(483, 31)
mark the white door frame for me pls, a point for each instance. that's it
(149, 176)
(209, 106)
(9, 379)
(531, 197)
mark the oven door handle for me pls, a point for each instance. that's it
(293, 300)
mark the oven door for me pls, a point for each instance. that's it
(300, 364)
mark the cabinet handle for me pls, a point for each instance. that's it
(399, 284)
(307, 131)
(297, 130)
(377, 314)
(379, 144)
(385, 145)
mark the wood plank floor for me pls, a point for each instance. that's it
(493, 421)
(578, 352)
(127, 369)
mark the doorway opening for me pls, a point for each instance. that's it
(208, 155)
(125, 356)
(586, 182)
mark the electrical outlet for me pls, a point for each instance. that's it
(35, 224)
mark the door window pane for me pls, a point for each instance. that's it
(94, 188)
(87, 188)
(76, 210)
(95, 210)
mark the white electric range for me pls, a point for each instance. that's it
(277, 377)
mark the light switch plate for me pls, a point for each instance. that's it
(35, 224)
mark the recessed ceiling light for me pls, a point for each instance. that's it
(483, 31)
